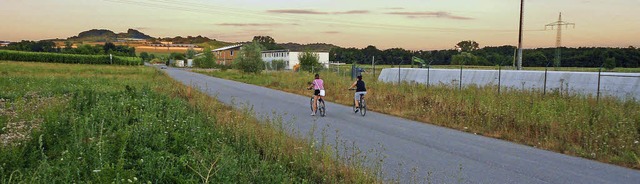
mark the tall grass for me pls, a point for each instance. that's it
(607, 130)
(104, 124)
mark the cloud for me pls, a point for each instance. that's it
(353, 12)
(394, 8)
(291, 11)
(247, 25)
(439, 14)
(314, 12)
(331, 32)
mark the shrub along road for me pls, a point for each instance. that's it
(412, 150)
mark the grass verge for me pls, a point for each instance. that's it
(66, 123)
(607, 131)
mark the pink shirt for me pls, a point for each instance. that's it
(318, 84)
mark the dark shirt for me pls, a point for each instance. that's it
(360, 86)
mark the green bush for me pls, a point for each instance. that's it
(309, 62)
(276, 65)
(249, 59)
(67, 58)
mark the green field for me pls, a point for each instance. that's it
(73, 123)
(607, 130)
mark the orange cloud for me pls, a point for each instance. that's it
(313, 12)
(439, 14)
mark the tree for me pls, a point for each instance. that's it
(145, 56)
(309, 61)
(109, 47)
(609, 63)
(68, 46)
(208, 61)
(468, 45)
(190, 53)
(535, 58)
(266, 41)
(176, 56)
(249, 59)
(464, 58)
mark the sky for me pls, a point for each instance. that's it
(409, 24)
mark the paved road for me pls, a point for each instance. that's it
(449, 155)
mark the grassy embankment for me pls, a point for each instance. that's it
(607, 131)
(71, 123)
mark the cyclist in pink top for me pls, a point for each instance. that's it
(317, 84)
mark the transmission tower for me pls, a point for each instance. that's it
(558, 24)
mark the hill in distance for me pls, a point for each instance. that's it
(104, 35)
(318, 47)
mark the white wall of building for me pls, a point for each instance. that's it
(291, 58)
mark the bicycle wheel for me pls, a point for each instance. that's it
(363, 106)
(321, 107)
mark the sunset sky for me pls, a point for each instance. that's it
(410, 24)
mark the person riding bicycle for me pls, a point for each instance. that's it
(360, 89)
(317, 84)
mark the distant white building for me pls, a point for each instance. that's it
(291, 58)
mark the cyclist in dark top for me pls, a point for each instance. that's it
(360, 89)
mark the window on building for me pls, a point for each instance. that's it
(231, 52)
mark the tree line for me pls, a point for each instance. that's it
(84, 49)
(469, 53)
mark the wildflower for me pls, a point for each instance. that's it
(129, 180)
(96, 171)
(636, 142)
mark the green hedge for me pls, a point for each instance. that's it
(67, 58)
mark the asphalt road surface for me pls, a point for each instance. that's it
(412, 151)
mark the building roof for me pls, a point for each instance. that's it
(287, 50)
(270, 51)
(227, 47)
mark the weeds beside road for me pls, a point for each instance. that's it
(104, 124)
(607, 131)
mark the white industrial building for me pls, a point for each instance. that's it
(291, 58)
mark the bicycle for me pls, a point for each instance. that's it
(363, 105)
(320, 106)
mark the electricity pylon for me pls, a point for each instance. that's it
(559, 25)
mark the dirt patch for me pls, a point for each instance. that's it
(22, 117)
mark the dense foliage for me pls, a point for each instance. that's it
(277, 64)
(50, 46)
(267, 42)
(491, 56)
(67, 58)
(249, 60)
(309, 61)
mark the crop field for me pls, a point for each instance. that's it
(607, 130)
(167, 50)
(77, 123)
